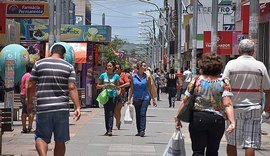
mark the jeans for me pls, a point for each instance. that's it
(206, 131)
(158, 97)
(109, 112)
(172, 93)
(141, 115)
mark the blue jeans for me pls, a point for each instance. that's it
(141, 115)
(52, 122)
(109, 112)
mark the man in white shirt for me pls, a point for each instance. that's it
(187, 78)
(248, 78)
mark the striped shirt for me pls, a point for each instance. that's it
(247, 77)
(52, 76)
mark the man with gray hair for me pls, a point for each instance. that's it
(248, 78)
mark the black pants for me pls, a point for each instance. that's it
(206, 131)
(172, 92)
(109, 112)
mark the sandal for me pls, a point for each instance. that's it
(24, 131)
(30, 130)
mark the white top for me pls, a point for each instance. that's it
(188, 76)
(247, 77)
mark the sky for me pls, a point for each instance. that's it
(123, 17)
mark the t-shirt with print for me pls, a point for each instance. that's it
(52, 76)
(209, 94)
(114, 78)
(123, 79)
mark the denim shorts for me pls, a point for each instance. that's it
(56, 123)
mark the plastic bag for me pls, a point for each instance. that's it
(128, 119)
(176, 145)
(103, 97)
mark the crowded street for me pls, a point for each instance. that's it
(87, 137)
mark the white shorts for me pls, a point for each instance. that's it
(247, 131)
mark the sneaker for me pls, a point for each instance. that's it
(106, 134)
(142, 133)
(24, 131)
(138, 134)
(109, 133)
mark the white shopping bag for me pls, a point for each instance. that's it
(176, 145)
(128, 119)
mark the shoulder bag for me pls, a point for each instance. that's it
(186, 113)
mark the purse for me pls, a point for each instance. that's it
(186, 112)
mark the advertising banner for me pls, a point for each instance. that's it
(2, 18)
(27, 10)
(98, 33)
(34, 49)
(224, 42)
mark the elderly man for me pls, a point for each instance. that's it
(248, 78)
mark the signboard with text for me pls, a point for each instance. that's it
(224, 42)
(94, 33)
(27, 10)
(2, 18)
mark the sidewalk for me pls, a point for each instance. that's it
(87, 137)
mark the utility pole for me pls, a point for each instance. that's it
(102, 46)
(254, 24)
(168, 35)
(194, 37)
(51, 22)
(214, 26)
(179, 62)
(58, 20)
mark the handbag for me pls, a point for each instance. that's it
(103, 97)
(176, 145)
(186, 112)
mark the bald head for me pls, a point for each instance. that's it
(246, 46)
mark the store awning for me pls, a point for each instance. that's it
(261, 1)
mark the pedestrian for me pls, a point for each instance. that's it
(140, 91)
(249, 78)
(109, 80)
(54, 79)
(212, 106)
(157, 82)
(23, 95)
(187, 78)
(124, 82)
(180, 84)
(172, 83)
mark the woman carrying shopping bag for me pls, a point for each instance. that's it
(110, 81)
(212, 106)
(124, 82)
(140, 91)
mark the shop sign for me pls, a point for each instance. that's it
(98, 33)
(2, 18)
(224, 43)
(27, 10)
(222, 9)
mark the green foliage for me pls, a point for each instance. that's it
(109, 55)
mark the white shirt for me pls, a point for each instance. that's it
(247, 77)
(188, 76)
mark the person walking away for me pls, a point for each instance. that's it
(140, 91)
(179, 87)
(124, 82)
(187, 78)
(55, 81)
(249, 78)
(212, 106)
(172, 82)
(23, 95)
(110, 81)
(157, 82)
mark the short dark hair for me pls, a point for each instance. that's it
(139, 64)
(29, 67)
(59, 49)
(211, 64)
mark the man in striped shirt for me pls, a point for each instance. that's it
(52, 80)
(248, 78)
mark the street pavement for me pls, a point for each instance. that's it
(87, 136)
